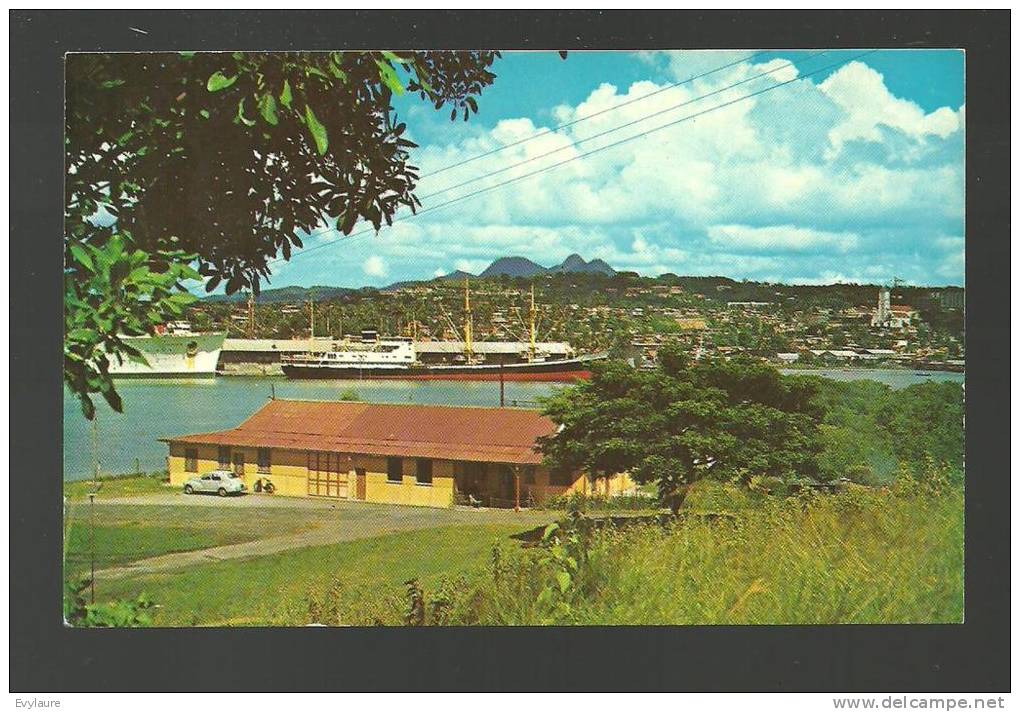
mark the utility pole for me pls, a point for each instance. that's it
(311, 329)
(531, 314)
(468, 326)
(92, 506)
(251, 315)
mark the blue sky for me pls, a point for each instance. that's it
(841, 167)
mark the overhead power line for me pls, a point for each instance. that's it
(587, 117)
(633, 122)
(580, 156)
(556, 128)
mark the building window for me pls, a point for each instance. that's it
(560, 478)
(264, 461)
(424, 471)
(224, 457)
(394, 469)
(529, 475)
(191, 460)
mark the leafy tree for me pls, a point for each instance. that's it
(684, 422)
(870, 425)
(206, 166)
(926, 420)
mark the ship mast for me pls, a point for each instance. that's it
(531, 317)
(468, 326)
(311, 330)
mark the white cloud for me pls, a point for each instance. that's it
(868, 105)
(472, 266)
(781, 238)
(809, 180)
(375, 266)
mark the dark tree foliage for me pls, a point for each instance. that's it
(685, 421)
(926, 420)
(871, 431)
(185, 166)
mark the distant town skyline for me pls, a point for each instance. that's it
(843, 167)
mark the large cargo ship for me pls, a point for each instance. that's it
(402, 358)
(397, 359)
(177, 352)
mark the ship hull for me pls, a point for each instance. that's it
(176, 356)
(561, 371)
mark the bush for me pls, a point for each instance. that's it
(865, 555)
(868, 424)
(863, 475)
(112, 614)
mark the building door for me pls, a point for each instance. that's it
(324, 475)
(506, 484)
(239, 464)
(361, 485)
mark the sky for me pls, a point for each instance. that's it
(804, 167)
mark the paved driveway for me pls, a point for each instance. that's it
(320, 522)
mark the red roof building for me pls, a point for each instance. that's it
(406, 454)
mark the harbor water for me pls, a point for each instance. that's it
(156, 408)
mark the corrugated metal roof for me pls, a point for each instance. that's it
(284, 345)
(505, 435)
(491, 347)
(326, 344)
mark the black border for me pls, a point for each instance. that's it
(47, 657)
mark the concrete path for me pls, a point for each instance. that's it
(329, 522)
(261, 501)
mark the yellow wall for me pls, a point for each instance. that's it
(289, 474)
(543, 489)
(615, 485)
(379, 489)
(206, 461)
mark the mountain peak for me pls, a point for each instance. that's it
(513, 267)
(517, 266)
(576, 263)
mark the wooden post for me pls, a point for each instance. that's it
(517, 488)
(92, 506)
(92, 546)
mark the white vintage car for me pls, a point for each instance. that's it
(221, 482)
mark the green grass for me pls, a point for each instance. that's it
(857, 557)
(126, 533)
(734, 557)
(122, 543)
(129, 486)
(275, 589)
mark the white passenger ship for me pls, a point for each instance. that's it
(177, 352)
